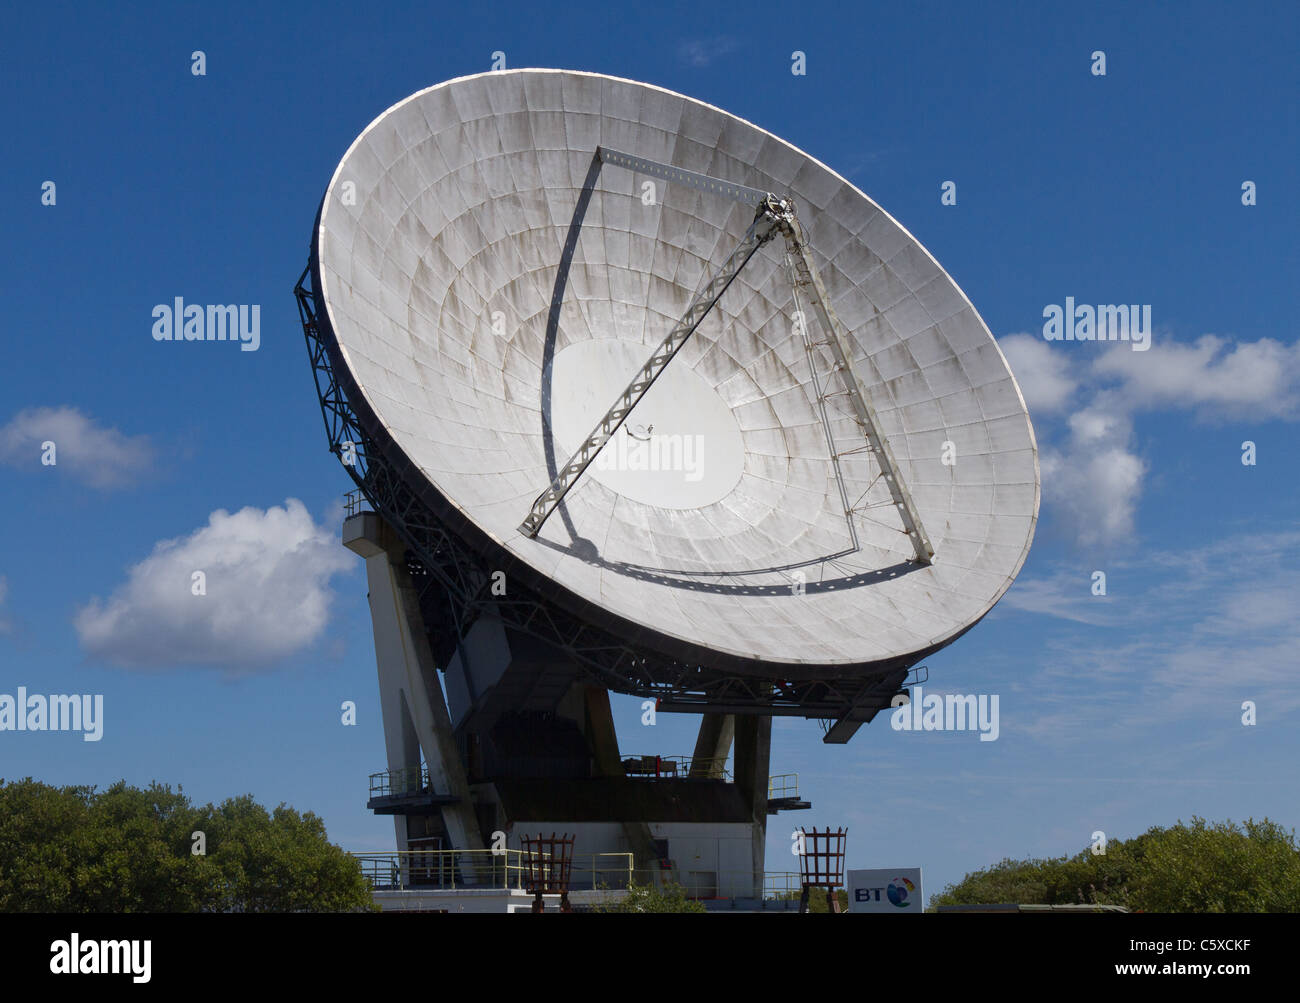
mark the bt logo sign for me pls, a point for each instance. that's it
(896, 890)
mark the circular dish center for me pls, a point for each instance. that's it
(679, 448)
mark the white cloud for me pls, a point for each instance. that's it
(1208, 628)
(102, 457)
(268, 595)
(1091, 478)
(1042, 372)
(1066, 594)
(1092, 471)
(700, 52)
(1094, 477)
(1217, 378)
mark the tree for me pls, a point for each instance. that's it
(668, 897)
(1221, 868)
(73, 849)
(281, 862)
(1199, 867)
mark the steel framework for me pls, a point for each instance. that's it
(773, 212)
(763, 229)
(454, 583)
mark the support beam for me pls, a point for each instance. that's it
(600, 732)
(753, 767)
(841, 731)
(810, 352)
(713, 744)
(874, 698)
(604, 748)
(411, 698)
(763, 229)
(842, 352)
(700, 182)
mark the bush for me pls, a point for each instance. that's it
(669, 897)
(71, 849)
(1197, 867)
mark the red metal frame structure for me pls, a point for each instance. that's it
(549, 860)
(822, 863)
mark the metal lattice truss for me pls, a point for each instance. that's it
(807, 279)
(773, 215)
(677, 175)
(455, 590)
(765, 226)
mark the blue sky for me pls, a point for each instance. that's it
(1117, 712)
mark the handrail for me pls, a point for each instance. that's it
(353, 502)
(678, 767)
(404, 780)
(507, 870)
(779, 785)
(783, 785)
(739, 884)
(726, 884)
(415, 780)
(504, 870)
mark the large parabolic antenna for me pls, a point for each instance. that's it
(810, 467)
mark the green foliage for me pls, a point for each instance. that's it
(1196, 867)
(71, 849)
(817, 899)
(669, 897)
(1221, 868)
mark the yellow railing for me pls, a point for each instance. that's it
(725, 884)
(507, 870)
(504, 869)
(783, 785)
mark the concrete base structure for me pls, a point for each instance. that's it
(522, 744)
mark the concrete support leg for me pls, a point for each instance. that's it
(713, 744)
(753, 764)
(411, 698)
(604, 748)
(600, 732)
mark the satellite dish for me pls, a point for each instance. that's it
(832, 475)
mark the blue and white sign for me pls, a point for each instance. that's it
(889, 890)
